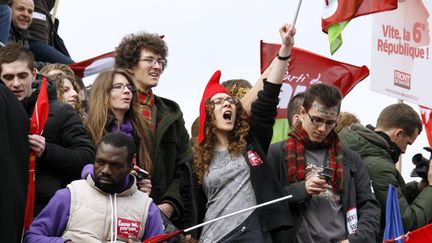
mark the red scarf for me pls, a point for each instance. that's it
(146, 101)
(298, 141)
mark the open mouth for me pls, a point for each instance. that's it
(154, 75)
(227, 115)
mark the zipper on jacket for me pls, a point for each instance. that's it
(233, 236)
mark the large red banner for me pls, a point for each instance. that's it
(307, 68)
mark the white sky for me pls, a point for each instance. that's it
(204, 36)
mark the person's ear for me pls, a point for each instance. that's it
(302, 113)
(295, 120)
(399, 132)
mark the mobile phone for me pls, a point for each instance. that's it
(326, 174)
(142, 174)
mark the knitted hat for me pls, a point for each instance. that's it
(213, 87)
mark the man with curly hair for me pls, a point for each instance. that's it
(144, 56)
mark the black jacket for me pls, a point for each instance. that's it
(68, 147)
(356, 193)
(274, 218)
(21, 37)
(14, 160)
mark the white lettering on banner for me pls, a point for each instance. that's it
(402, 79)
(402, 51)
(287, 92)
(128, 229)
(351, 218)
(291, 86)
(291, 78)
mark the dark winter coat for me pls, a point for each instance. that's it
(356, 193)
(14, 160)
(68, 147)
(170, 145)
(415, 206)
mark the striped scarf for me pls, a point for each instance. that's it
(298, 141)
(146, 101)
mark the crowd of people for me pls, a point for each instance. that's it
(118, 165)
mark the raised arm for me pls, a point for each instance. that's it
(274, 73)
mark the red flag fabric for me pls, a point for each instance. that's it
(93, 65)
(426, 115)
(307, 68)
(163, 237)
(421, 235)
(37, 123)
(336, 11)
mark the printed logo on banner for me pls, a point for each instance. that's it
(128, 229)
(402, 79)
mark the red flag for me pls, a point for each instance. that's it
(344, 10)
(307, 68)
(421, 235)
(337, 13)
(37, 123)
(93, 65)
(426, 115)
(163, 237)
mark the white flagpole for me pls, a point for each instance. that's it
(241, 211)
(297, 12)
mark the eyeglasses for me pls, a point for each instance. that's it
(220, 100)
(317, 121)
(120, 87)
(10, 77)
(153, 61)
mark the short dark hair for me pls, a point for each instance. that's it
(15, 52)
(294, 106)
(120, 140)
(326, 94)
(402, 116)
(128, 52)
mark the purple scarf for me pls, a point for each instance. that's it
(125, 128)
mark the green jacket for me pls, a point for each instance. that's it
(170, 145)
(415, 206)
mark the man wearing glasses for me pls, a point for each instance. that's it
(144, 56)
(332, 199)
(398, 126)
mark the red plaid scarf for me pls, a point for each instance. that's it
(146, 101)
(298, 141)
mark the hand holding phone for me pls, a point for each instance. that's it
(327, 174)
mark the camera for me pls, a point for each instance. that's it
(142, 174)
(421, 165)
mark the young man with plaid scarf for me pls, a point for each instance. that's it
(332, 199)
(144, 56)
